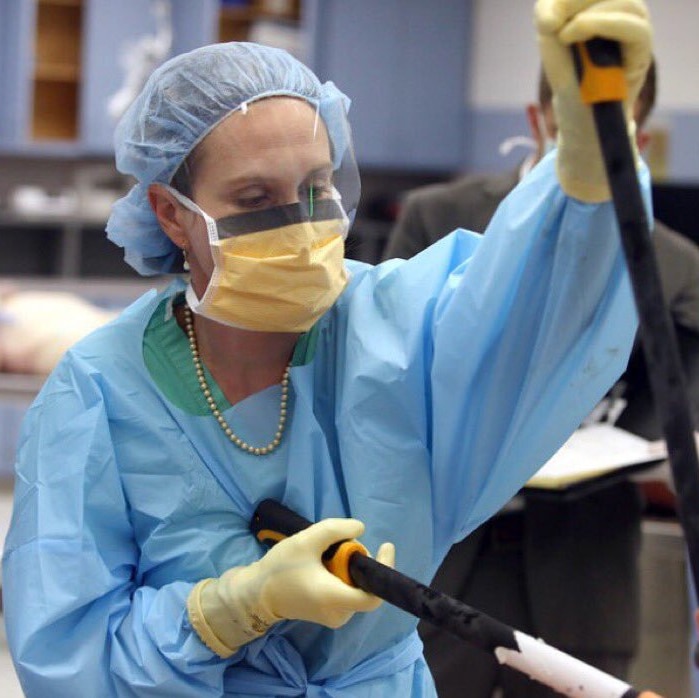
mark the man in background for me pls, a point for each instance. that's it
(563, 569)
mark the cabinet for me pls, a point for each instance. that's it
(110, 28)
(61, 60)
(404, 64)
(236, 19)
(55, 84)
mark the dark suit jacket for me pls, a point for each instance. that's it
(580, 556)
(429, 213)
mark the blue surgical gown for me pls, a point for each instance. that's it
(437, 387)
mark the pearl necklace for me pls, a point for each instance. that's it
(236, 440)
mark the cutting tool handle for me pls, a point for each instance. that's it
(273, 522)
(598, 63)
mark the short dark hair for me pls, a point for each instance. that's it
(645, 101)
(545, 93)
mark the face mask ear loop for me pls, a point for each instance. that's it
(509, 144)
(193, 301)
(211, 229)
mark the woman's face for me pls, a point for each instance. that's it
(267, 156)
(275, 153)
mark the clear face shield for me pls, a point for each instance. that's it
(277, 185)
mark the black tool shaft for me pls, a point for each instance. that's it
(272, 518)
(273, 521)
(430, 605)
(658, 337)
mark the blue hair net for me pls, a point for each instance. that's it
(182, 101)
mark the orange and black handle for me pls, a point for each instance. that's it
(598, 64)
(273, 522)
(599, 70)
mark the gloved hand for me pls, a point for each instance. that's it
(289, 582)
(561, 23)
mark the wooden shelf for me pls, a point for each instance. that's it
(237, 13)
(57, 68)
(56, 72)
(61, 3)
(55, 114)
(278, 9)
(58, 34)
(235, 20)
(234, 26)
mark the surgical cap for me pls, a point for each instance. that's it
(182, 101)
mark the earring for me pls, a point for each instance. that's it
(185, 261)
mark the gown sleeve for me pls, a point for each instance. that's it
(78, 621)
(523, 330)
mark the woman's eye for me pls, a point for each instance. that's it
(322, 190)
(252, 202)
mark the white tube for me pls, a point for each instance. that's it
(559, 671)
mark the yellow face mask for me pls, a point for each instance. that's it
(276, 270)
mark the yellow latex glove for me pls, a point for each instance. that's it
(289, 582)
(561, 23)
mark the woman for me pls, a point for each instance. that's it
(415, 397)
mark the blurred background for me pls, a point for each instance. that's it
(436, 87)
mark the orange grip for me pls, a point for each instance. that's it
(600, 83)
(268, 536)
(338, 564)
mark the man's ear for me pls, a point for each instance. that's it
(643, 138)
(532, 113)
(169, 213)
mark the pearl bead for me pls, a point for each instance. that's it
(206, 391)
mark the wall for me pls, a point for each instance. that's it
(501, 66)
(504, 66)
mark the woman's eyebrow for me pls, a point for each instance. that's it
(321, 169)
(256, 177)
